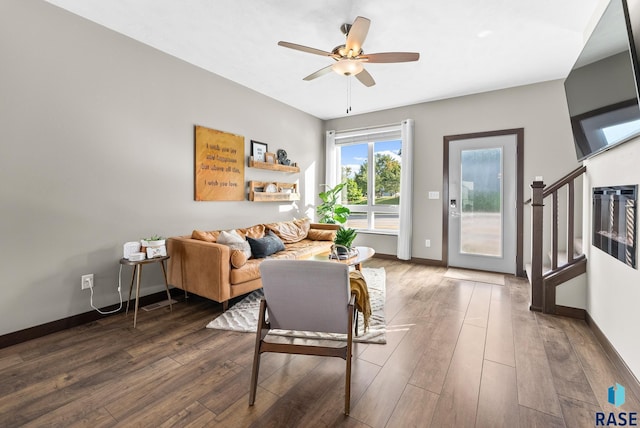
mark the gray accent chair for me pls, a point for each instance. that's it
(305, 295)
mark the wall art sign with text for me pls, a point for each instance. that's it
(219, 165)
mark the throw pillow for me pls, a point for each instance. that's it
(290, 231)
(255, 232)
(205, 236)
(263, 247)
(234, 241)
(238, 258)
(321, 234)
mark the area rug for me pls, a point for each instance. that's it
(243, 316)
(476, 276)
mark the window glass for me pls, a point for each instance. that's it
(354, 160)
(387, 173)
(481, 202)
(373, 195)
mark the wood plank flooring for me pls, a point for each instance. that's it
(459, 354)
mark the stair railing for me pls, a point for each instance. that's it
(543, 284)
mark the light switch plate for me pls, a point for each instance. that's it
(434, 195)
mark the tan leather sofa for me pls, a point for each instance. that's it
(201, 266)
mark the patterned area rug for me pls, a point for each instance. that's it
(243, 316)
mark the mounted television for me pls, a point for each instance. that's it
(602, 88)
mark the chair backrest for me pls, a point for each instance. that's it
(306, 295)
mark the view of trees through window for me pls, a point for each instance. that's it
(373, 196)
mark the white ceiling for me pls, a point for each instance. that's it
(465, 46)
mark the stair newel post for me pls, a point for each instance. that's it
(537, 216)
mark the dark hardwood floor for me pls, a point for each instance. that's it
(458, 354)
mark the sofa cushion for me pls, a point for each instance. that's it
(321, 234)
(238, 258)
(255, 232)
(263, 247)
(234, 241)
(290, 231)
(205, 236)
(306, 248)
(248, 272)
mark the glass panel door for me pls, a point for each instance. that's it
(482, 207)
(481, 202)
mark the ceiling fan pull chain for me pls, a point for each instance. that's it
(348, 94)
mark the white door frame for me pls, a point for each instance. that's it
(519, 133)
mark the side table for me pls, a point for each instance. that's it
(137, 274)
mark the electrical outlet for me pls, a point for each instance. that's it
(87, 281)
(427, 243)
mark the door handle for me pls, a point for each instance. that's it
(453, 208)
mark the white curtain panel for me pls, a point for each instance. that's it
(330, 165)
(406, 191)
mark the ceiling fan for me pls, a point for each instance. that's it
(350, 56)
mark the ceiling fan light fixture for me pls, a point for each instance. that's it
(347, 67)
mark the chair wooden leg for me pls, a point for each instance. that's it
(347, 383)
(256, 356)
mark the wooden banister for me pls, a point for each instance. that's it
(564, 180)
(543, 284)
(561, 182)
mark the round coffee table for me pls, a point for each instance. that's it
(363, 254)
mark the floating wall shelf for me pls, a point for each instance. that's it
(266, 191)
(273, 166)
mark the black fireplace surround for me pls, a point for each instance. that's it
(614, 222)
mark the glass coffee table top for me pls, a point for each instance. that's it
(363, 254)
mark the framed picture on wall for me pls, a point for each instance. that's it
(258, 150)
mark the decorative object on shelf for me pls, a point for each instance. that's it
(154, 246)
(136, 257)
(130, 248)
(258, 150)
(340, 252)
(330, 210)
(282, 157)
(270, 158)
(219, 165)
(260, 191)
(271, 188)
(342, 243)
(153, 241)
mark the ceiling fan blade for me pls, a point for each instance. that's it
(390, 57)
(365, 78)
(304, 48)
(357, 34)
(319, 73)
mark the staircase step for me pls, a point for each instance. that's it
(562, 259)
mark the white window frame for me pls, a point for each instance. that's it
(368, 136)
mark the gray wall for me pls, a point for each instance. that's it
(96, 136)
(540, 109)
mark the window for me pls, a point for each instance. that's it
(372, 194)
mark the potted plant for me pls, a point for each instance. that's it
(344, 240)
(153, 241)
(330, 210)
